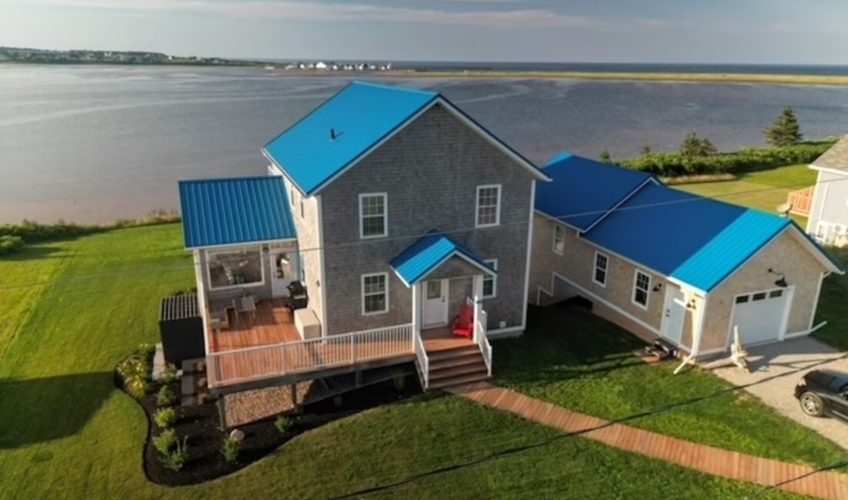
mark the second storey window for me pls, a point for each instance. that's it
(372, 215)
(559, 239)
(488, 205)
(375, 293)
(641, 285)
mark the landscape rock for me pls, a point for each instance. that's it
(237, 435)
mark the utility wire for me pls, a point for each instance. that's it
(564, 218)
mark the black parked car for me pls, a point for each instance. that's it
(824, 393)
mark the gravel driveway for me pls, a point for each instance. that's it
(775, 367)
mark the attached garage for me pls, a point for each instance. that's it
(761, 316)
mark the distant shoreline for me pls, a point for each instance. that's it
(621, 76)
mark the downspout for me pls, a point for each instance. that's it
(696, 338)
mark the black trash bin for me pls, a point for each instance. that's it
(298, 299)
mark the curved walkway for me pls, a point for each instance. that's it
(715, 461)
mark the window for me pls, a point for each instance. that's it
(641, 285)
(302, 212)
(434, 289)
(601, 265)
(775, 294)
(741, 299)
(291, 194)
(488, 205)
(372, 215)
(375, 293)
(759, 296)
(234, 268)
(490, 283)
(559, 239)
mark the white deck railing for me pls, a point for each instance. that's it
(482, 341)
(423, 361)
(253, 363)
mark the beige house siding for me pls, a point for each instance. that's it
(308, 242)
(577, 265)
(786, 255)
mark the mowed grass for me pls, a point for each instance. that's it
(574, 359)
(764, 190)
(831, 307)
(66, 432)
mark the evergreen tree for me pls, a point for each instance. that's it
(605, 156)
(785, 131)
(646, 150)
(695, 146)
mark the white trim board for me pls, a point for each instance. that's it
(555, 220)
(527, 264)
(322, 265)
(243, 244)
(829, 170)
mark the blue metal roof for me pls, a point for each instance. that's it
(361, 115)
(237, 210)
(728, 249)
(583, 190)
(430, 252)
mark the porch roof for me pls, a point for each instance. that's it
(427, 254)
(236, 210)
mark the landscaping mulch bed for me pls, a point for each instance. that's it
(200, 424)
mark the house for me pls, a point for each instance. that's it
(397, 212)
(664, 263)
(828, 211)
(321, 65)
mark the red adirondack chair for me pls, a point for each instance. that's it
(463, 323)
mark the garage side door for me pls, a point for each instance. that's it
(759, 315)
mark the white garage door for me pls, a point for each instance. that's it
(760, 315)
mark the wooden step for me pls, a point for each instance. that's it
(458, 371)
(465, 359)
(465, 379)
(453, 353)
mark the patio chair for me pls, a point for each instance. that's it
(463, 323)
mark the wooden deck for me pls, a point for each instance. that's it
(801, 201)
(794, 478)
(442, 339)
(273, 325)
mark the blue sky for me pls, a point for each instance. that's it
(697, 31)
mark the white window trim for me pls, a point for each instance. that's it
(497, 207)
(606, 270)
(233, 287)
(558, 227)
(362, 293)
(385, 197)
(494, 264)
(636, 274)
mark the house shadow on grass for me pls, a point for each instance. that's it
(32, 252)
(44, 409)
(565, 341)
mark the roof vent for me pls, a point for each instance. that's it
(333, 134)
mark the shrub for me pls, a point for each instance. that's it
(165, 396)
(282, 424)
(231, 449)
(10, 244)
(32, 232)
(176, 458)
(134, 371)
(205, 398)
(744, 160)
(165, 441)
(165, 417)
(169, 374)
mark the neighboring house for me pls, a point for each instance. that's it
(395, 210)
(664, 263)
(828, 218)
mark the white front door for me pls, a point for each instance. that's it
(434, 303)
(282, 272)
(674, 315)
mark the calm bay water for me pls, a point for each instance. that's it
(98, 143)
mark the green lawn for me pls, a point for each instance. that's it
(65, 432)
(577, 360)
(765, 190)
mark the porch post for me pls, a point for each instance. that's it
(478, 293)
(416, 312)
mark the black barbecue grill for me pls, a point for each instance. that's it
(298, 299)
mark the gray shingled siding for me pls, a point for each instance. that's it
(430, 171)
(453, 268)
(460, 288)
(836, 157)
